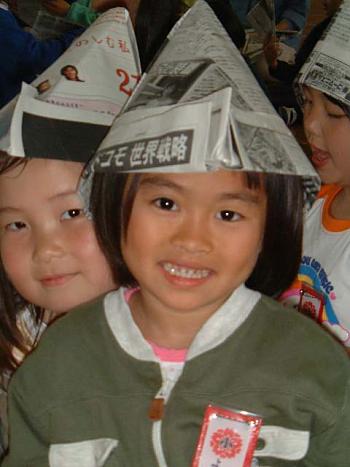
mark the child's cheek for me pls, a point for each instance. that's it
(83, 238)
(14, 256)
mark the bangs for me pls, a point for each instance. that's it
(8, 162)
(254, 180)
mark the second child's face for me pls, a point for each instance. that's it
(48, 246)
(327, 128)
(193, 238)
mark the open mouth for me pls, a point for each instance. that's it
(319, 158)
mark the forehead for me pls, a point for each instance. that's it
(38, 178)
(209, 184)
(316, 94)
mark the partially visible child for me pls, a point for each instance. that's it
(322, 288)
(23, 56)
(50, 260)
(85, 12)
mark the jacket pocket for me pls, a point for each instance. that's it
(282, 443)
(90, 453)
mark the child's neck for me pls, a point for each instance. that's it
(167, 328)
(340, 208)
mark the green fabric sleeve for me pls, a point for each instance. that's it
(80, 12)
(28, 448)
(331, 447)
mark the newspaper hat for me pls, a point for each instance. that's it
(65, 113)
(199, 108)
(327, 68)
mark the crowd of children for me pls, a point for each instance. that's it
(175, 277)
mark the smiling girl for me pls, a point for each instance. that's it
(50, 258)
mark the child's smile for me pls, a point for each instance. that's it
(48, 246)
(192, 239)
(185, 272)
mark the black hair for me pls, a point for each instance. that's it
(112, 200)
(11, 303)
(226, 15)
(64, 68)
(154, 20)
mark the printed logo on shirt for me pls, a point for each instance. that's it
(313, 293)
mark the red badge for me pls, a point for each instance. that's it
(227, 438)
(311, 302)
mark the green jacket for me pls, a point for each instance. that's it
(81, 399)
(80, 12)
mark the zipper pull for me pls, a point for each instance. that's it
(156, 410)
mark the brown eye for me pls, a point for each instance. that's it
(228, 216)
(15, 226)
(165, 203)
(72, 213)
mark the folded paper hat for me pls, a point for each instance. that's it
(327, 69)
(199, 108)
(65, 113)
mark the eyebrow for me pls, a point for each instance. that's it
(54, 197)
(63, 194)
(247, 196)
(8, 209)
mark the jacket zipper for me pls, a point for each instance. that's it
(156, 413)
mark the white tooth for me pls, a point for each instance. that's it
(185, 272)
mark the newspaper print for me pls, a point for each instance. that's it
(33, 128)
(197, 60)
(98, 71)
(172, 138)
(66, 117)
(328, 67)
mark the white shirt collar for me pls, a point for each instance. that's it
(215, 331)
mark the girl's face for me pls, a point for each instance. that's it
(48, 246)
(193, 238)
(70, 73)
(327, 129)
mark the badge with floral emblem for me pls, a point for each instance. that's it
(227, 439)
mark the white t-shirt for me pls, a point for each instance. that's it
(322, 288)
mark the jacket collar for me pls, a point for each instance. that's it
(215, 331)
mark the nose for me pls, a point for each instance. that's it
(192, 235)
(313, 121)
(48, 245)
